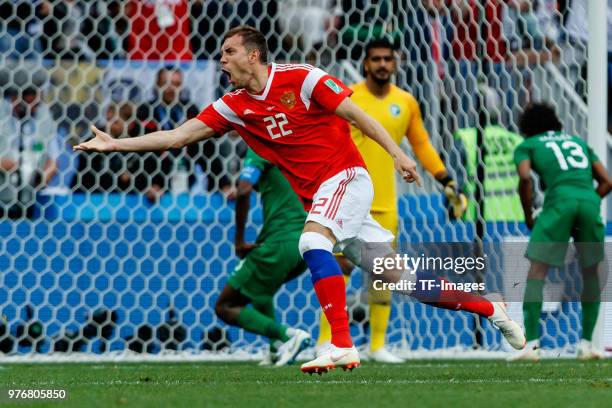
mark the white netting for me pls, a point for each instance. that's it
(102, 254)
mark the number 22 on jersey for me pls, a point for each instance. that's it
(276, 125)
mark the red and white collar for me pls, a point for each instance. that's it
(263, 95)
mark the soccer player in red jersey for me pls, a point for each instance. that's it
(297, 117)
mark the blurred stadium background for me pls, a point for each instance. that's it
(123, 256)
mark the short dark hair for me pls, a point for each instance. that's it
(167, 68)
(252, 39)
(538, 118)
(378, 43)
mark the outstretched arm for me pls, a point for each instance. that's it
(604, 184)
(430, 159)
(355, 115)
(525, 190)
(189, 132)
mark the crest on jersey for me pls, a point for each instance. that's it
(395, 110)
(333, 86)
(288, 99)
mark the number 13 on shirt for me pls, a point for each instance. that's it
(576, 157)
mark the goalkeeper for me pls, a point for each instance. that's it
(266, 264)
(399, 113)
(567, 167)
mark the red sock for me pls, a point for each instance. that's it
(460, 300)
(331, 292)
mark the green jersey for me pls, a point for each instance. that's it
(283, 213)
(564, 164)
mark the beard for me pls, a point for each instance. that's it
(380, 81)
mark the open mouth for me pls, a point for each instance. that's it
(227, 74)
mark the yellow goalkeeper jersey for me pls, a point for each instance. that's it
(400, 114)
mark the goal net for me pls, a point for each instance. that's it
(124, 256)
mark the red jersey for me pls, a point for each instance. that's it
(292, 124)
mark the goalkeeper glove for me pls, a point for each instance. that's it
(458, 202)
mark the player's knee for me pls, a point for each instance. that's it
(352, 251)
(316, 250)
(313, 240)
(364, 254)
(538, 270)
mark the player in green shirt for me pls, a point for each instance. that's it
(266, 264)
(566, 166)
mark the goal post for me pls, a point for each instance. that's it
(598, 135)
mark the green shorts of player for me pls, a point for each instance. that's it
(562, 219)
(266, 268)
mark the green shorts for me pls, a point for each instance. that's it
(564, 219)
(266, 268)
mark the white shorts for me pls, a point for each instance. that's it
(342, 204)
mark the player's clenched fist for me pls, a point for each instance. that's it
(102, 142)
(408, 168)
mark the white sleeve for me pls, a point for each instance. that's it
(311, 80)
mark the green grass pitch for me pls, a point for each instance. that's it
(554, 383)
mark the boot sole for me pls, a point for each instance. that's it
(325, 369)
